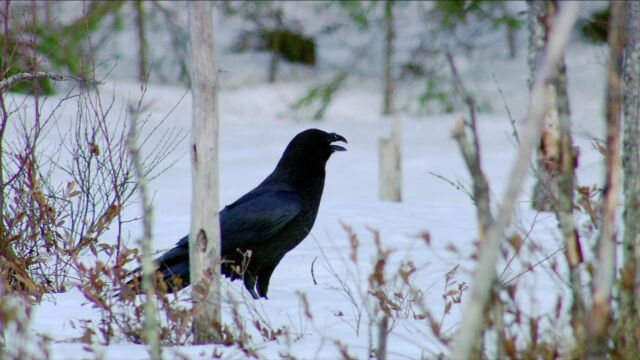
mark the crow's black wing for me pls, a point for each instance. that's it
(175, 263)
(258, 216)
(178, 253)
(253, 218)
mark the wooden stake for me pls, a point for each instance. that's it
(391, 164)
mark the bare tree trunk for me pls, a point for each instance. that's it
(4, 121)
(600, 319)
(631, 165)
(485, 275)
(511, 32)
(567, 163)
(512, 42)
(388, 58)
(537, 35)
(151, 333)
(204, 237)
(48, 14)
(391, 164)
(142, 42)
(274, 62)
(545, 191)
(6, 252)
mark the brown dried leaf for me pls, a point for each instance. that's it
(305, 304)
(451, 292)
(601, 149)
(376, 279)
(511, 349)
(94, 149)
(447, 307)
(433, 324)
(516, 242)
(452, 248)
(426, 236)
(353, 242)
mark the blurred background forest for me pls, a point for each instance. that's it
(400, 44)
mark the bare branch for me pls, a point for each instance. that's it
(605, 271)
(471, 153)
(480, 183)
(383, 334)
(313, 275)
(486, 272)
(387, 107)
(10, 81)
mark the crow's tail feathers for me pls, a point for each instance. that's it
(172, 272)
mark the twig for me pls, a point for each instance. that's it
(531, 267)
(152, 336)
(10, 81)
(313, 276)
(480, 184)
(469, 100)
(486, 272)
(382, 337)
(512, 120)
(457, 185)
(472, 154)
(507, 266)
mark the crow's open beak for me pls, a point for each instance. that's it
(333, 137)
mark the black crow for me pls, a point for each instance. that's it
(259, 228)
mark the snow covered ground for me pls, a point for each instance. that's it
(256, 125)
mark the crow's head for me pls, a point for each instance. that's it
(316, 144)
(310, 150)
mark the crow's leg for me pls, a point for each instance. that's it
(250, 284)
(263, 280)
